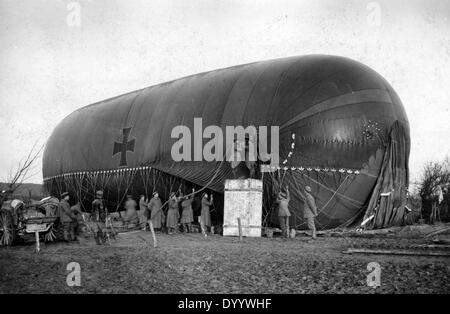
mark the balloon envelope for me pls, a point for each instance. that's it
(334, 117)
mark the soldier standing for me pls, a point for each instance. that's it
(309, 210)
(156, 213)
(66, 217)
(187, 215)
(99, 213)
(205, 214)
(283, 212)
(172, 214)
(143, 207)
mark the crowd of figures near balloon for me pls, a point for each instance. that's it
(135, 197)
(148, 214)
(151, 215)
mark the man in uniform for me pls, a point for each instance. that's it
(283, 212)
(310, 210)
(99, 213)
(145, 214)
(156, 213)
(66, 217)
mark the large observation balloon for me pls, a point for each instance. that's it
(343, 132)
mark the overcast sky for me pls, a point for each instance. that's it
(51, 65)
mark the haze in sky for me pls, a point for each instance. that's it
(57, 56)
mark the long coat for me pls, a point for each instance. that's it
(187, 215)
(65, 214)
(283, 206)
(206, 215)
(310, 209)
(172, 214)
(131, 213)
(154, 206)
(143, 208)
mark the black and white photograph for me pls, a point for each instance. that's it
(221, 148)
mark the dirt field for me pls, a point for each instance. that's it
(194, 264)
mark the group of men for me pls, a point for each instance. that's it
(69, 217)
(309, 210)
(153, 212)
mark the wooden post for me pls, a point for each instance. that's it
(240, 228)
(202, 226)
(155, 244)
(38, 245)
(106, 231)
(107, 237)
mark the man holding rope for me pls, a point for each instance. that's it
(283, 212)
(155, 209)
(207, 202)
(173, 214)
(187, 215)
(143, 207)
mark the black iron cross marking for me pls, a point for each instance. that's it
(124, 147)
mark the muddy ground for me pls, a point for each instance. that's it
(191, 263)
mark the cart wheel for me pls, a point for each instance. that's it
(7, 233)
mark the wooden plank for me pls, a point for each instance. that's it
(155, 244)
(243, 199)
(38, 246)
(431, 234)
(240, 228)
(397, 252)
(435, 246)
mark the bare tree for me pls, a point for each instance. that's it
(24, 170)
(435, 174)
